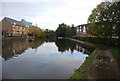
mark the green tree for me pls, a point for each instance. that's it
(65, 30)
(37, 31)
(115, 16)
(73, 30)
(60, 32)
(104, 20)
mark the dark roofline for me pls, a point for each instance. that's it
(12, 21)
(82, 25)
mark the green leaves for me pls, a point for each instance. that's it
(105, 20)
(37, 31)
(65, 30)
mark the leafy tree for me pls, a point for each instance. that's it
(104, 20)
(49, 33)
(61, 30)
(36, 31)
(115, 16)
(65, 30)
(73, 30)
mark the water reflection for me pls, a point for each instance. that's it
(42, 59)
(69, 45)
(12, 48)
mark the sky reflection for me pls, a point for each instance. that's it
(43, 62)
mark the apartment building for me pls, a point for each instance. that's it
(11, 28)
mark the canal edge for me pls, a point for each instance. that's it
(81, 72)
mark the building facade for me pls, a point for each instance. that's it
(11, 27)
(81, 30)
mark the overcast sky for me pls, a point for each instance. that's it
(47, 14)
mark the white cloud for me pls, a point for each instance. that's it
(50, 13)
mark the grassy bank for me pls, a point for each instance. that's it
(81, 72)
(103, 41)
(116, 54)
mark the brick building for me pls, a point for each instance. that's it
(11, 27)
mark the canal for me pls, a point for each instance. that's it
(42, 59)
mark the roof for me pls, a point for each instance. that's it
(12, 21)
(83, 25)
(28, 24)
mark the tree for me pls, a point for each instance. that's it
(104, 20)
(65, 30)
(36, 31)
(73, 30)
(115, 15)
(60, 32)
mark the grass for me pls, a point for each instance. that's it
(116, 53)
(103, 41)
(81, 73)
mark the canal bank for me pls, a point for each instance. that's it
(101, 64)
(13, 38)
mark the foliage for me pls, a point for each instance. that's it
(49, 33)
(36, 31)
(65, 30)
(105, 20)
(116, 54)
(65, 45)
(104, 41)
(36, 43)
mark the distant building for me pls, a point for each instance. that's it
(11, 27)
(28, 24)
(81, 30)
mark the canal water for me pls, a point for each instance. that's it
(42, 59)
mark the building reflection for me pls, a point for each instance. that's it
(12, 48)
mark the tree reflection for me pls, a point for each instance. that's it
(68, 45)
(13, 48)
(35, 44)
(65, 45)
